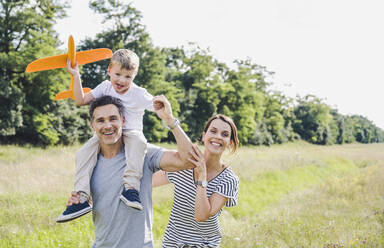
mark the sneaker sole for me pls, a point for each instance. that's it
(131, 204)
(69, 217)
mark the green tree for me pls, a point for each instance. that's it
(196, 84)
(365, 131)
(247, 99)
(314, 122)
(200, 83)
(345, 128)
(278, 117)
(26, 33)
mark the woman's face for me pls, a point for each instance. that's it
(218, 137)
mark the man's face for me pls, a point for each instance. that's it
(108, 124)
(120, 78)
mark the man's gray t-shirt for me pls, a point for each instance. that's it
(117, 225)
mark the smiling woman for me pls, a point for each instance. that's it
(228, 127)
(202, 192)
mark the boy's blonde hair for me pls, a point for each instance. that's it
(126, 58)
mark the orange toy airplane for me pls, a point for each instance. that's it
(60, 61)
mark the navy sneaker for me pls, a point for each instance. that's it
(131, 198)
(74, 211)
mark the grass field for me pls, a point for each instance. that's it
(292, 195)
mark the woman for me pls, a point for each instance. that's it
(202, 192)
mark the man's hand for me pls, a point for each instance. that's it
(74, 199)
(199, 161)
(163, 109)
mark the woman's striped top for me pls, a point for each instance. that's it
(182, 228)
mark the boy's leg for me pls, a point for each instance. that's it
(135, 150)
(86, 159)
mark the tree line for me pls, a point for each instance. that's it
(197, 85)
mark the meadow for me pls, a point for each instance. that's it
(291, 195)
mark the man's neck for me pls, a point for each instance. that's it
(109, 151)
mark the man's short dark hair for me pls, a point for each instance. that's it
(105, 100)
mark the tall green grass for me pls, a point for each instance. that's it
(293, 195)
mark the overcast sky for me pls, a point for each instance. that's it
(333, 49)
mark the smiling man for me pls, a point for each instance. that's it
(106, 124)
(117, 225)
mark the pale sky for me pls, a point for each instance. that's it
(333, 49)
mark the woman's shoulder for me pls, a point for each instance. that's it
(229, 172)
(228, 175)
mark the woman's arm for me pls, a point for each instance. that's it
(159, 179)
(204, 207)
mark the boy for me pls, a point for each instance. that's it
(122, 70)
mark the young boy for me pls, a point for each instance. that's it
(122, 70)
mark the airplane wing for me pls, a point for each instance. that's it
(48, 63)
(68, 94)
(89, 56)
(60, 61)
(64, 95)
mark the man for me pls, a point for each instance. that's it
(117, 225)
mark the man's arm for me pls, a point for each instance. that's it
(159, 179)
(173, 160)
(78, 94)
